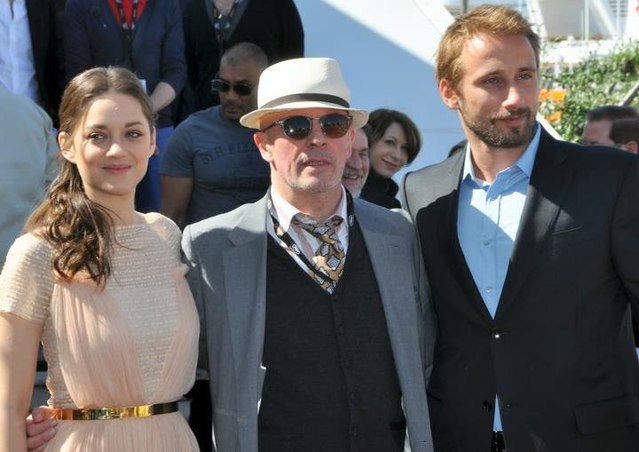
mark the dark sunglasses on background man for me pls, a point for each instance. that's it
(333, 125)
(222, 86)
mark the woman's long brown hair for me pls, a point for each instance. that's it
(78, 229)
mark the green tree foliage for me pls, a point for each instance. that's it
(595, 82)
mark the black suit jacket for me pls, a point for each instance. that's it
(45, 26)
(560, 350)
(274, 25)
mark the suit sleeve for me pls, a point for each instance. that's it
(54, 66)
(292, 45)
(173, 66)
(625, 236)
(428, 323)
(408, 197)
(193, 277)
(77, 49)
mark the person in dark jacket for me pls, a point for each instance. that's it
(213, 26)
(144, 36)
(395, 142)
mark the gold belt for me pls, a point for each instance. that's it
(115, 413)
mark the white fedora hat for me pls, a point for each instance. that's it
(302, 83)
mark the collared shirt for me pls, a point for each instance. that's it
(17, 70)
(487, 224)
(284, 212)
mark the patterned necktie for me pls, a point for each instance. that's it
(329, 256)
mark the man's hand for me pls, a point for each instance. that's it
(41, 427)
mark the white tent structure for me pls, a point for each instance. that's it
(632, 20)
(386, 50)
(581, 19)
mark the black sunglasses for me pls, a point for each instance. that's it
(333, 125)
(222, 86)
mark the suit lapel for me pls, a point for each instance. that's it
(392, 262)
(142, 24)
(244, 265)
(450, 240)
(548, 183)
(386, 251)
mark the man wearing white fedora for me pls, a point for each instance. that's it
(317, 332)
(308, 352)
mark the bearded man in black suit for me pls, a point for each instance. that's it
(531, 248)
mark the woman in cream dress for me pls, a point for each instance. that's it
(101, 286)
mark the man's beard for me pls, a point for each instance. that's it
(512, 138)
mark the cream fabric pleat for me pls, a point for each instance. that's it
(93, 339)
(100, 367)
(165, 433)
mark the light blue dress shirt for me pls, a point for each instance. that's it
(487, 224)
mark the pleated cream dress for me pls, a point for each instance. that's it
(134, 343)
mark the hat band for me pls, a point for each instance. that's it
(313, 97)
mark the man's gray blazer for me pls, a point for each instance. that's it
(227, 259)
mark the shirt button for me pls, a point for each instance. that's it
(487, 242)
(489, 289)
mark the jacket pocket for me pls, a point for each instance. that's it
(607, 414)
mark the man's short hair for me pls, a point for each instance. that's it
(496, 20)
(624, 130)
(242, 52)
(611, 112)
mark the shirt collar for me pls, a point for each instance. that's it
(285, 211)
(525, 162)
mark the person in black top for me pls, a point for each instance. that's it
(213, 26)
(395, 142)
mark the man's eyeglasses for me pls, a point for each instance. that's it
(222, 86)
(333, 125)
